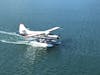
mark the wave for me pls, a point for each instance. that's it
(10, 33)
(13, 38)
(17, 42)
(10, 37)
(33, 53)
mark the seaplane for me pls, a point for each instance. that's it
(39, 38)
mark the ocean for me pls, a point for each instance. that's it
(79, 52)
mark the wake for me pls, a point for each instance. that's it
(17, 42)
(9, 33)
(13, 38)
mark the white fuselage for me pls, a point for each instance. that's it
(43, 38)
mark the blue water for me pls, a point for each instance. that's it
(79, 53)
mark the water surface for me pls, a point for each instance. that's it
(79, 53)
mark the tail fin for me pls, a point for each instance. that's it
(22, 29)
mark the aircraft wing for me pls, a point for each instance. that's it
(46, 32)
(52, 29)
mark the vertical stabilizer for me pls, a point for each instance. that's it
(22, 29)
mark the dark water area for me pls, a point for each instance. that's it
(79, 53)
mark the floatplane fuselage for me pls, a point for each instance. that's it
(42, 38)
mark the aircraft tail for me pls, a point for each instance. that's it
(22, 29)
